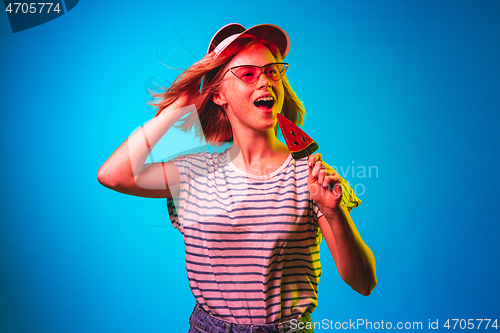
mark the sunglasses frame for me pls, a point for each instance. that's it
(285, 68)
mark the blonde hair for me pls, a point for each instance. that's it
(202, 80)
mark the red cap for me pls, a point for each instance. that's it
(266, 32)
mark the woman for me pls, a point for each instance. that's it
(252, 217)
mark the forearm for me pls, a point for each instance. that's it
(355, 259)
(128, 160)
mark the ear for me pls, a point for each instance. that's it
(217, 99)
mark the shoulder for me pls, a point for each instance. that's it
(201, 161)
(298, 166)
(202, 156)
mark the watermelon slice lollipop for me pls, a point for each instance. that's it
(299, 143)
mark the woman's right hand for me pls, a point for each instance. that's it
(125, 171)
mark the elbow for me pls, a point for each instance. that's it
(368, 288)
(113, 179)
(105, 178)
(370, 278)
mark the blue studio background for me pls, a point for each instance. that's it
(409, 90)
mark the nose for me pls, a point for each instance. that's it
(264, 81)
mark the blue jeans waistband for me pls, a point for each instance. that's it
(203, 322)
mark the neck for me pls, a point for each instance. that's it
(258, 150)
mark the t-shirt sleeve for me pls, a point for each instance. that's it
(182, 163)
(172, 213)
(190, 167)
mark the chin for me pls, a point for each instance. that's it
(267, 125)
(266, 111)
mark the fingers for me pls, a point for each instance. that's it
(321, 177)
(315, 162)
(329, 178)
(316, 169)
(322, 171)
(337, 189)
(333, 184)
(325, 175)
(313, 158)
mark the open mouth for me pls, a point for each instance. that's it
(264, 103)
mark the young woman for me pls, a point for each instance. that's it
(252, 217)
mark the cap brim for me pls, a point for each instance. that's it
(264, 32)
(223, 33)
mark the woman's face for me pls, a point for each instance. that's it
(245, 107)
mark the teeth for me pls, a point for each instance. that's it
(269, 98)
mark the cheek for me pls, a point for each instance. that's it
(237, 93)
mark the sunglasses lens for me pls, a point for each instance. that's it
(274, 71)
(249, 74)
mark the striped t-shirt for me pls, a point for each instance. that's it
(251, 242)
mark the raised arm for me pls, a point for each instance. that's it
(125, 170)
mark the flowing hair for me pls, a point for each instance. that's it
(201, 81)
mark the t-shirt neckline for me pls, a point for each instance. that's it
(262, 177)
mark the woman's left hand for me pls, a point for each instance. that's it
(324, 183)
